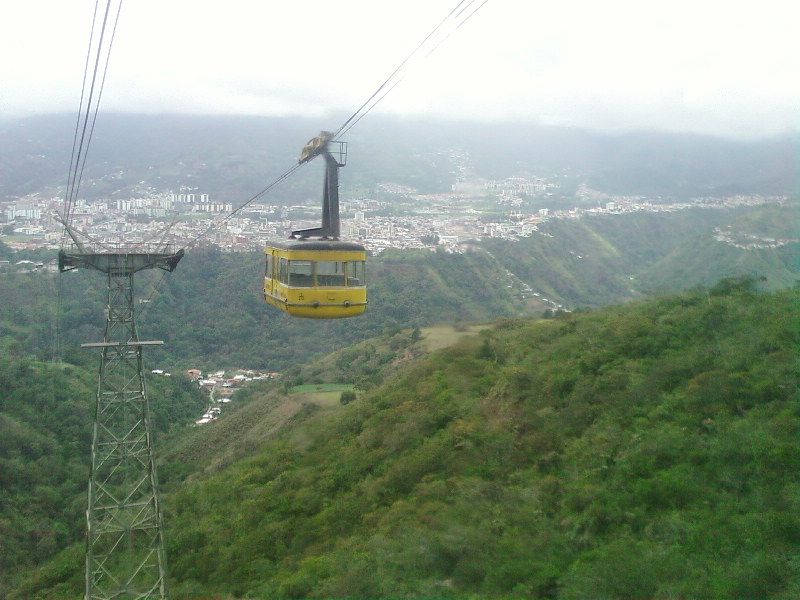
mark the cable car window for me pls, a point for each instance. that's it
(355, 273)
(268, 269)
(329, 273)
(284, 271)
(301, 273)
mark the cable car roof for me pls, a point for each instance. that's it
(336, 245)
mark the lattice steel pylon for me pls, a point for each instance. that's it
(124, 540)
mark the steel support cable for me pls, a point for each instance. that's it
(457, 27)
(291, 170)
(463, 9)
(60, 297)
(277, 181)
(161, 234)
(344, 125)
(72, 185)
(470, 15)
(84, 148)
(99, 96)
(344, 128)
(431, 51)
(92, 240)
(73, 190)
(78, 122)
(59, 303)
(366, 112)
(216, 223)
(399, 67)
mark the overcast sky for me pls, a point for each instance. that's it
(727, 68)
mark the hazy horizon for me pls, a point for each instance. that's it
(710, 69)
(333, 117)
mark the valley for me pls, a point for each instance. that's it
(577, 375)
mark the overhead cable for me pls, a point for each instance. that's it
(85, 116)
(432, 41)
(395, 77)
(216, 223)
(99, 97)
(80, 150)
(400, 66)
(77, 159)
(78, 123)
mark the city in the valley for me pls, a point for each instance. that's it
(394, 216)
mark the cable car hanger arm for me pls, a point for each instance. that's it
(322, 145)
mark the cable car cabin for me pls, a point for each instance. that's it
(317, 279)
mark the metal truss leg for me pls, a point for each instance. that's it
(125, 547)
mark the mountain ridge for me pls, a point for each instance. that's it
(232, 157)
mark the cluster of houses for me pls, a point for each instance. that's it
(28, 266)
(221, 388)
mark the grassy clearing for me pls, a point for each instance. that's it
(441, 336)
(323, 399)
(322, 387)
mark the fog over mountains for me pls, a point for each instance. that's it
(233, 157)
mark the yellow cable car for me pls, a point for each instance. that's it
(320, 278)
(316, 279)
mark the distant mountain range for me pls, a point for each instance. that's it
(233, 157)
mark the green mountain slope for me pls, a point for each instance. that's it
(45, 422)
(606, 259)
(643, 451)
(229, 320)
(211, 312)
(46, 412)
(703, 259)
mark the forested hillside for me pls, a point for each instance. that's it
(46, 413)
(606, 259)
(211, 312)
(215, 308)
(642, 451)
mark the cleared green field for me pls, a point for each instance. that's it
(322, 394)
(441, 336)
(323, 398)
(322, 387)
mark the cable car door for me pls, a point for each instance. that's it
(270, 273)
